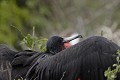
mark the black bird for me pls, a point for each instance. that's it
(86, 60)
(25, 59)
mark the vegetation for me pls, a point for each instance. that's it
(55, 17)
(34, 43)
(112, 74)
(21, 13)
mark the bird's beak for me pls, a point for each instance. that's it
(70, 39)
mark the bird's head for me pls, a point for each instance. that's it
(56, 44)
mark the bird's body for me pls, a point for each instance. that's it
(6, 54)
(23, 60)
(6, 57)
(20, 64)
(86, 60)
(17, 60)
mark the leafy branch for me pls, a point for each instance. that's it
(34, 43)
(31, 41)
(112, 74)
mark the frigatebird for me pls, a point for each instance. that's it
(86, 60)
(23, 60)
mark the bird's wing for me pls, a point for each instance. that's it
(21, 57)
(20, 63)
(6, 53)
(87, 60)
(36, 60)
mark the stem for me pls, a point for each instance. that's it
(33, 35)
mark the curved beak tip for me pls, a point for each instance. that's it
(80, 36)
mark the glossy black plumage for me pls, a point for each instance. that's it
(87, 60)
(55, 44)
(23, 60)
(6, 54)
(20, 64)
(6, 57)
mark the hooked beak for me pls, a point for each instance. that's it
(68, 40)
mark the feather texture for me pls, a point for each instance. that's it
(87, 60)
